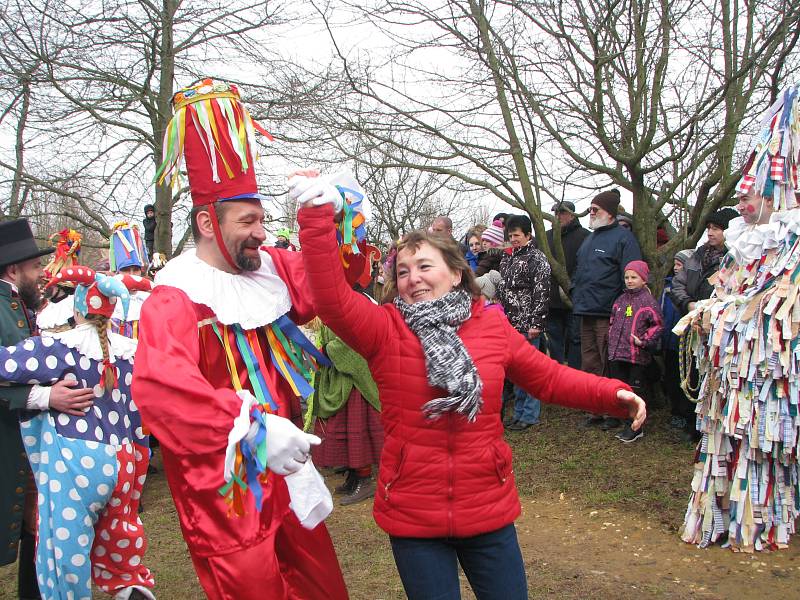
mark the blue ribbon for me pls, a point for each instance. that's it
(293, 333)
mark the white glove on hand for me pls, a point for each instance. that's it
(287, 446)
(299, 184)
(319, 193)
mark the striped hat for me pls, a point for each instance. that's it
(494, 234)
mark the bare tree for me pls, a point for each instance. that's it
(530, 100)
(634, 92)
(111, 68)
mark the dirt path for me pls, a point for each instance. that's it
(602, 551)
(569, 554)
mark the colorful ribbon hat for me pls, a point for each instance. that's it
(126, 248)
(212, 132)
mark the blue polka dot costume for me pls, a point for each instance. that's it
(89, 470)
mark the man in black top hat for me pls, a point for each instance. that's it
(20, 274)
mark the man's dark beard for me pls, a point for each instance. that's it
(29, 293)
(246, 263)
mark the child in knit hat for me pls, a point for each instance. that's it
(682, 410)
(634, 333)
(492, 240)
(488, 285)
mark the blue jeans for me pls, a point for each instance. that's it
(527, 408)
(491, 561)
(564, 337)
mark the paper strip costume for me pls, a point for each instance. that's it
(771, 167)
(745, 484)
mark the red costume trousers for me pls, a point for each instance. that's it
(292, 564)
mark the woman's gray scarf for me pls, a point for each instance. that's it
(447, 361)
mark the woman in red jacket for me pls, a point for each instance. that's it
(445, 491)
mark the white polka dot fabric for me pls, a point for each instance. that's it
(88, 504)
(89, 472)
(44, 360)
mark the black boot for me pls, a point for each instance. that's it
(27, 586)
(363, 490)
(349, 484)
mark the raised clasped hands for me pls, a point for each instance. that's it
(307, 188)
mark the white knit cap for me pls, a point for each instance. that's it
(488, 284)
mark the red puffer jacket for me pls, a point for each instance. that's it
(444, 477)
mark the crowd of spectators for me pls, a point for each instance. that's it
(606, 321)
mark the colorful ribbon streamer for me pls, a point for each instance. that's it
(295, 358)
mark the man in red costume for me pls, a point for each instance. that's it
(219, 346)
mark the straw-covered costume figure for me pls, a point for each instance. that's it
(745, 339)
(221, 367)
(89, 465)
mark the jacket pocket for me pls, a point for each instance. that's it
(502, 462)
(393, 478)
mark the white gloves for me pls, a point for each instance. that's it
(314, 191)
(287, 446)
(288, 451)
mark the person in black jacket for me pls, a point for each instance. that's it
(563, 331)
(523, 292)
(691, 284)
(149, 223)
(598, 282)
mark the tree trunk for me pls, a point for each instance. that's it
(17, 197)
(164, 199)
(531, 206)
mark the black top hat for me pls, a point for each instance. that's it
(17, 243)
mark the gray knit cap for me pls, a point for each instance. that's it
(488, 284)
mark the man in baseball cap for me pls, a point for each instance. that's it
(563, 331)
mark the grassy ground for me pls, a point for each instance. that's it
(599, 520)
(649, 476)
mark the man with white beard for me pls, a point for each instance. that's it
(598, 282)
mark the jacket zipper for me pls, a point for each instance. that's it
(391, 482)
(450, 476)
